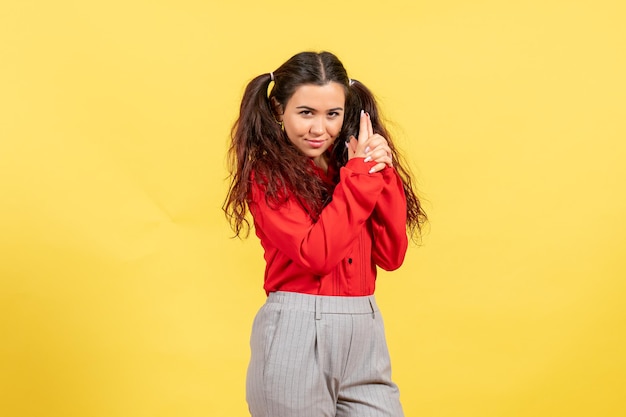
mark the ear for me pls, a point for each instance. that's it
(277, 109)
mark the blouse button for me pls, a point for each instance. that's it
(350, 261)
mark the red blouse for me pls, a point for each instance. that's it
(363, 226)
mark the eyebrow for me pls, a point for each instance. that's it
(311, 108)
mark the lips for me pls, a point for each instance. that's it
(316, 143)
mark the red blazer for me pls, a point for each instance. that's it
(363, 226)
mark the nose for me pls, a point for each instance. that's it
(317, 127)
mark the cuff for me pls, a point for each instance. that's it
(357, 165)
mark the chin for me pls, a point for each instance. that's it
(315, 154)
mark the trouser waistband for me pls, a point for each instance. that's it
(324, 304)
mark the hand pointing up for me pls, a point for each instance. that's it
(370, 146)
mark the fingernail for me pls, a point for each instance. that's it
(362, 113)
(346, 143)
(372, 171)
(369, 158)
(367, 149)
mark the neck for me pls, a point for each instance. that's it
(321, 162)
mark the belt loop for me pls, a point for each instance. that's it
(372, 307)
(318, 308)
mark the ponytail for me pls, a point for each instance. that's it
(255, 126)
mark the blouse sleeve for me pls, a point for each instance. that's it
(389, 223)
(320, 246)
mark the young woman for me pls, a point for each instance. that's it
(331, 202)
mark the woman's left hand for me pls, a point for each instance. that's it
(376, 147)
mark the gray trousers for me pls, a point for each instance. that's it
(320, 356)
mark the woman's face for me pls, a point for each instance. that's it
(313, 117)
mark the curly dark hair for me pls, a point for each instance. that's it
(260, 150)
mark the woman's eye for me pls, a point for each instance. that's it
(305, 112)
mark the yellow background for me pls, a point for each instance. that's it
(121, 293)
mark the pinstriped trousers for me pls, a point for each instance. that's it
(320, 356)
